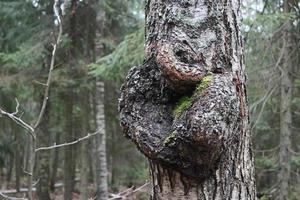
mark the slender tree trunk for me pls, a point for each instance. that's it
(186, 107)
(10, 167)
(69, 156)
(69, 160)
(285, 111)
(54, 163)
(84, 170)
(30, 166)
(18, 164)
(101, 165)
(43, 158)
(102, 188)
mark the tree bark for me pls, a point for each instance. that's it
(43, 158)
(69, 153)
(85, 146)
(285, 111)
(186, 107)
(101, 165)
(18, 164)
(84, 171)
(101, 173)
(54, 163)
(70, 99)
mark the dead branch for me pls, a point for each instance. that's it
(47, 85)
(55, 146)
(10, 198)
(18, 120)
(124, 194)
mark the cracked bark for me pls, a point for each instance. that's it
(204, 151)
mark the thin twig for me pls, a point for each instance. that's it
(17, 107)
(10, 198)
(262, 108)
(55, 146)
(18, 120)
(40, 83)
(277, 65)
(46, 93)
(124, 194)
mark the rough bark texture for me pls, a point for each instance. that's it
(185, 108)
(285, 144)
(101, 173)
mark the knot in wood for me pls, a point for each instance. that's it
(190, 140)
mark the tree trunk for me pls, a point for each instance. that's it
(84, 170)
(101, 165)
(70, 99)
(186, 107)
(285, 111)
(69, 156)
(30, 166)
(54, 164)
(43, 158)
(18, 166)
(101, 173)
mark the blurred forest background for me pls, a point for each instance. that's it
(101, 40)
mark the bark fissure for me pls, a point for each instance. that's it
(204, 151)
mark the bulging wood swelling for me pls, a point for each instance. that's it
(185, 108)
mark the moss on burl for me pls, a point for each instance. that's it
(183, 103)
(205, 81)
(186, 101)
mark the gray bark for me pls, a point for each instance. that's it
(84, 171)
(69, 151)
(43, 158)
(101, 168)
(54, 162)
(185, 108)
(285, 112)
(30, 166)
(85, 146)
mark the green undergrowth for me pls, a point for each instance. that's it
(186, 101)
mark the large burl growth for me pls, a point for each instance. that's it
(185, 107)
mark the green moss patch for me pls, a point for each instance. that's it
(184, 103)
(205, 81)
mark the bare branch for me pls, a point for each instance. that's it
(55, 146)
(265, 99)
(124, 194)
(40, 83)
(10, 198)
(18, 120)
(268, 95)
(17, 107)
(47, 85)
